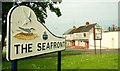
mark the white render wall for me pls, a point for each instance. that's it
(110, 40)
(76, 43)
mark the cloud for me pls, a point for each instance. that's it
(77, 13)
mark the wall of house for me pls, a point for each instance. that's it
(69, 37)
(69, 44)
(81, 44)
(81, 35)
(110, 40)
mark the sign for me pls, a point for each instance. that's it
(97, 32)
(97, 26)
(28, 37)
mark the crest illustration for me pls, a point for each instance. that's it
(25, 30)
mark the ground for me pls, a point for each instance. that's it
(72, 59)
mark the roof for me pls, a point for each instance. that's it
(68, 31)
(82, 29)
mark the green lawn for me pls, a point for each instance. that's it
(70, 60)
(88, 61)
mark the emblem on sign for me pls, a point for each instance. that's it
(45, 36)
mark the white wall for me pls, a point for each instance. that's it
(76, 43)
(69, 37)
(110, 40)
(81, 35)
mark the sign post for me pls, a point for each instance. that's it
(97, 32)
(14, 65)
(59, 60)
(27, 37)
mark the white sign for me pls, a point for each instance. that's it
(28, 37)
(97, 33)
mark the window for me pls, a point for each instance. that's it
(84, 34)
(70, 36)
(76, 35)
(68, 43)
(82, 43)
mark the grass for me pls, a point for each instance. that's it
(88, 61)
(70, 60)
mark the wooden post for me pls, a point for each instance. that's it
(94, 39)
(59, 60)
(95, 46)
(14, 65)
(100, 47)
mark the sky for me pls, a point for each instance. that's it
(77, 12)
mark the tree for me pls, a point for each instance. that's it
(40, 8)
(109, 28)
(113, 27)
(118, 28)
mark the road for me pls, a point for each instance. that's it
(93, 51)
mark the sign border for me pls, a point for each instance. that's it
(9, 35)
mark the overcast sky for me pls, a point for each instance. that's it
(77, 12)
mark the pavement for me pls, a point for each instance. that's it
(93, 50)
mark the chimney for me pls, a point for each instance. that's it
(87, 24)
(74, 27)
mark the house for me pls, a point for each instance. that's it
(79, 37)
